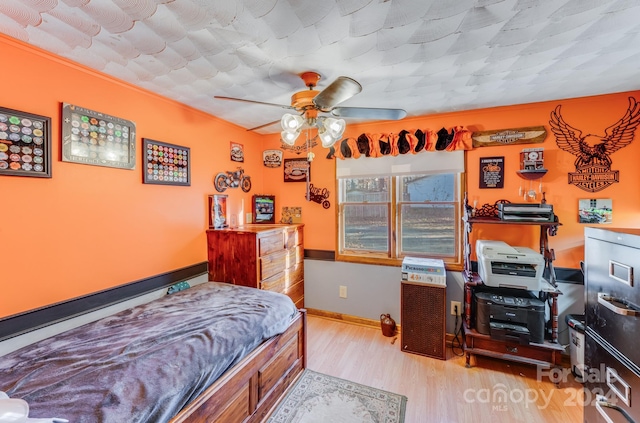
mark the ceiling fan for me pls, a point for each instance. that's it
(309, 102)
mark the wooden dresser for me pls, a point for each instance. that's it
(268, 257)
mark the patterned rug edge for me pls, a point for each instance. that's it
(291, 390)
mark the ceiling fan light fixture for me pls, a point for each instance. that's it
(326, 139)
(334, 126)
(330, 130)
(289, 138)
(291, 123)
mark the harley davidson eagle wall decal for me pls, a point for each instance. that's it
(593, 162)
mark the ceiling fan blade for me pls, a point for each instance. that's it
(263, 126)
(343, 88)
(284, 106)
(369, 113)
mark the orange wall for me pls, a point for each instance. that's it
(589, 114)
(89, 228)
(319, 223)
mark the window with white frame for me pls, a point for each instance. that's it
(392, 207)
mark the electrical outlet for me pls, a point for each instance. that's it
(455, 304)
(343, 291)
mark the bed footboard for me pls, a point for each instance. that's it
(248, 391)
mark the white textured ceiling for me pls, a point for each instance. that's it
(424, 56)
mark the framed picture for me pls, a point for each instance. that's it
(96, 138)
(272, 158)
(492, 172)
(297, 170)
(237, 152)
(291, 215)
(595, 210)
(263, 208)
(165, 164)
(218, 211)
(25, 144)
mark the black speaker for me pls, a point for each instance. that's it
(423, 319)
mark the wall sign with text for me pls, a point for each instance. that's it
(297, 170)
(593, 152)
(492, 172)
(528, 135)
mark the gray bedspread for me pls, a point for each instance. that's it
(146, 363)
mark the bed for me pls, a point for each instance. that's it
(214, 352)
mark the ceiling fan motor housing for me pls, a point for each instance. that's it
(303, 100)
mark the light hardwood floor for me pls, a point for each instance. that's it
(491, 390)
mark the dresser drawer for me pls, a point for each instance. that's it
(273, 263)
(270, 242)
(510, 348)
(295, 255)
(293, 237)
(296, 293)
(281, 281)
(269, 375)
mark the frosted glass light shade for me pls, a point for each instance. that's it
(330, 131)
(291, 123)
(335, 126)
(289, 138)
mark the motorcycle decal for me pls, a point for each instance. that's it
(232, 179)
(593, 162)
(318, 195)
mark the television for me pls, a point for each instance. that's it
(264, 208)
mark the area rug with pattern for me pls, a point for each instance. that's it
(319, 398)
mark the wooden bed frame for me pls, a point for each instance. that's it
(245, 393)
(248, 391)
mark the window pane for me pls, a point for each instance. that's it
(424, 220)
(428, 229)
(366, 227)
(440, 188)
(359, 190)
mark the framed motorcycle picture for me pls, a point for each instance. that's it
(218, 211)
(237, 152)
(165, 164)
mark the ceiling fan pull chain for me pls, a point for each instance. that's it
(308, 170)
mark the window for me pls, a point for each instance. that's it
(384, 217)
(428, 215)
(365, 215)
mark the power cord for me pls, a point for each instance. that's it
(456, 343)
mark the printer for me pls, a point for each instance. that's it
(501, 265)
(506, 317)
